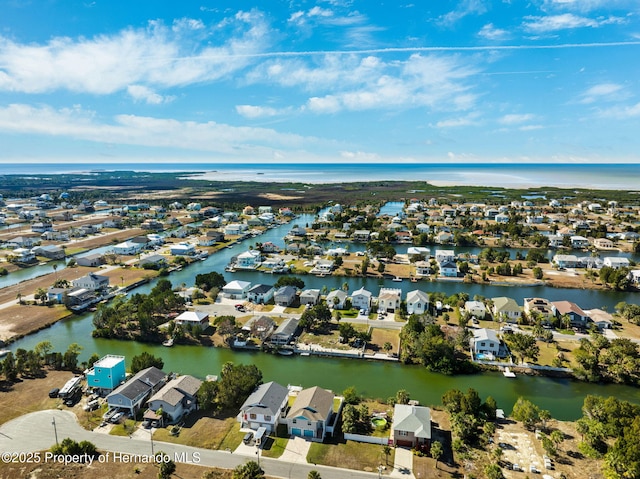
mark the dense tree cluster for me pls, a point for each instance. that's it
(139, 316)
(233, 387)
(356, 419)
(145, 360)
(617, 278)
(469, 415)
(316, 318)
(601, 359)
(289, 281)
(29, 364)
(208, 281)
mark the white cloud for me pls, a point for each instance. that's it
(588, 5)
(621, 112)
(490, 32)
(76, 123)
(182, 24)
(319, 12)
(530, 127)
(468, 120)
(154, 57)
(465, 8)
(602, 91)
(254, 111)
(551, 23)
(514, 119)
(147, 95)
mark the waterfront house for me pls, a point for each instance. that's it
(443, 237)
(92, 260)
(206, 241)
(182, 249)
(411, 426)
(477, 309)
(443, 255)
(506, 309)
(249, 259)
(449, 269)
(423, 268)
(260, 293)
(217, 236)
(485, 341)
(236, 289)
(579, 242)
(361, 236)
(361, 299)
(311, 413)
(417, 302)
(177, 398)
(310, 296)
(92, 282)
(555, 241)
(132, 395)
(389, 299)
(600, 318)
(50, 251)
(285, 333)
(578, 317)
(285, 295)
(634, 276)
(153, 260)
(106, 374)
(264, 407)
(336, 299)
(260, 326)
(235, 229)
(322, 266)
(41, 227)
(566, 261)
(603, 243)
(127, 248)
(193, 318)
(539, 306)
(616, 262)
(23, 255)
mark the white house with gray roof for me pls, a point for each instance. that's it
(177, 398)
(131, 395)
(411, 425)
(417, 302)
(485, 341)
(264, 407)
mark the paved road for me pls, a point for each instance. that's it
(35, 432)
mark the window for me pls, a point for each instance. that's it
(403, 433)
(482, 344)
(293, 421)
(252, 416)
(267, 418)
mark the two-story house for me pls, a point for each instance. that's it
(106, 374)
(311, 413)
(264, 407)
(177, 398)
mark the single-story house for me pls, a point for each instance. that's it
(285, 295)
(566, 260)
(411, 426)
(92, 282)
(285, 332)
(50, 251)
(336, 299)
(153, 259)
(193, 318)
(264, 407)
(92, 260)
(260, 293)
(417, 302)
(310, 296)
(182, 249)
(128, 248)
(616, 262)
(236, 289)
(132, 395)
(311, 413)
(600, 318)
(177, 398)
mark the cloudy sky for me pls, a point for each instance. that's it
(320, 81)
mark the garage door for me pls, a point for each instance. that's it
(308, 433)
(296, 432)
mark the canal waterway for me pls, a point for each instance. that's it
(379, 379)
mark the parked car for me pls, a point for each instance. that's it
(54, 393)
(116, 417)
(91, 405)
(240, 307)
(247, 438)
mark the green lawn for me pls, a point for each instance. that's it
(274, 447)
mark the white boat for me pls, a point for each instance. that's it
(285, 352)
(397, 279)
(168, 343)
(4, 352)
(507, 373)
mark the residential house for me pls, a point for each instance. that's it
(50, 251)
(477, 309)
(264, 407)
(566, 260)
(155, 260)
(443, 255)
(600, 318)
(423, 268)
(336, 299)
(269, 247)
(506, 309)
(540, 307)
(285, 295)
(23, 255)
(443, 237)
(603, 243)
(634, 276)
(389, 299)
(249, 259)
(193, 318)
(361, 299)
(92, 260)
(260, 326)
(106, 374)
(132, 395)
(23, 242)
(417, 302)
(182, 249)
(449, 269)
(310, 296)
(616, 262)
(285, 333)
(260, 293)
(217, 236)
(41, 227)
(311, 413)
(177, 398)
(578, 317)
(555, 241)
(236, 289)
(127, 248)
(92, 282)
(411, 426)
(486, 342)
(323, 266)
(579, 242)
(361, 235)
(235, 229)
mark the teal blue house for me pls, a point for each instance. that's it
(106, 374)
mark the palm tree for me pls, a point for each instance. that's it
(314, 475)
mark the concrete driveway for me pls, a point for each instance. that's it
(296, 450)
(403, 464)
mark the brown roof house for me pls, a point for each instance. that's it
(311, 416)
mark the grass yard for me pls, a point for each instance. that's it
(328, 340)
(125, 428)
(274, 447)
(350, 454)
(381, 336)
(204, 431)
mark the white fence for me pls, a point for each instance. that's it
(369, 439)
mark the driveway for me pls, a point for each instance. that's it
(296, 450)
(403, 464)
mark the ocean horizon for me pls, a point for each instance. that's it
(590, 176)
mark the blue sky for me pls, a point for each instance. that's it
(320, 81)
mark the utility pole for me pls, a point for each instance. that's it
(55, 430)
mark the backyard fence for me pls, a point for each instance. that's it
(369, 439)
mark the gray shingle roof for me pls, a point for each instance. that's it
(266, 399)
